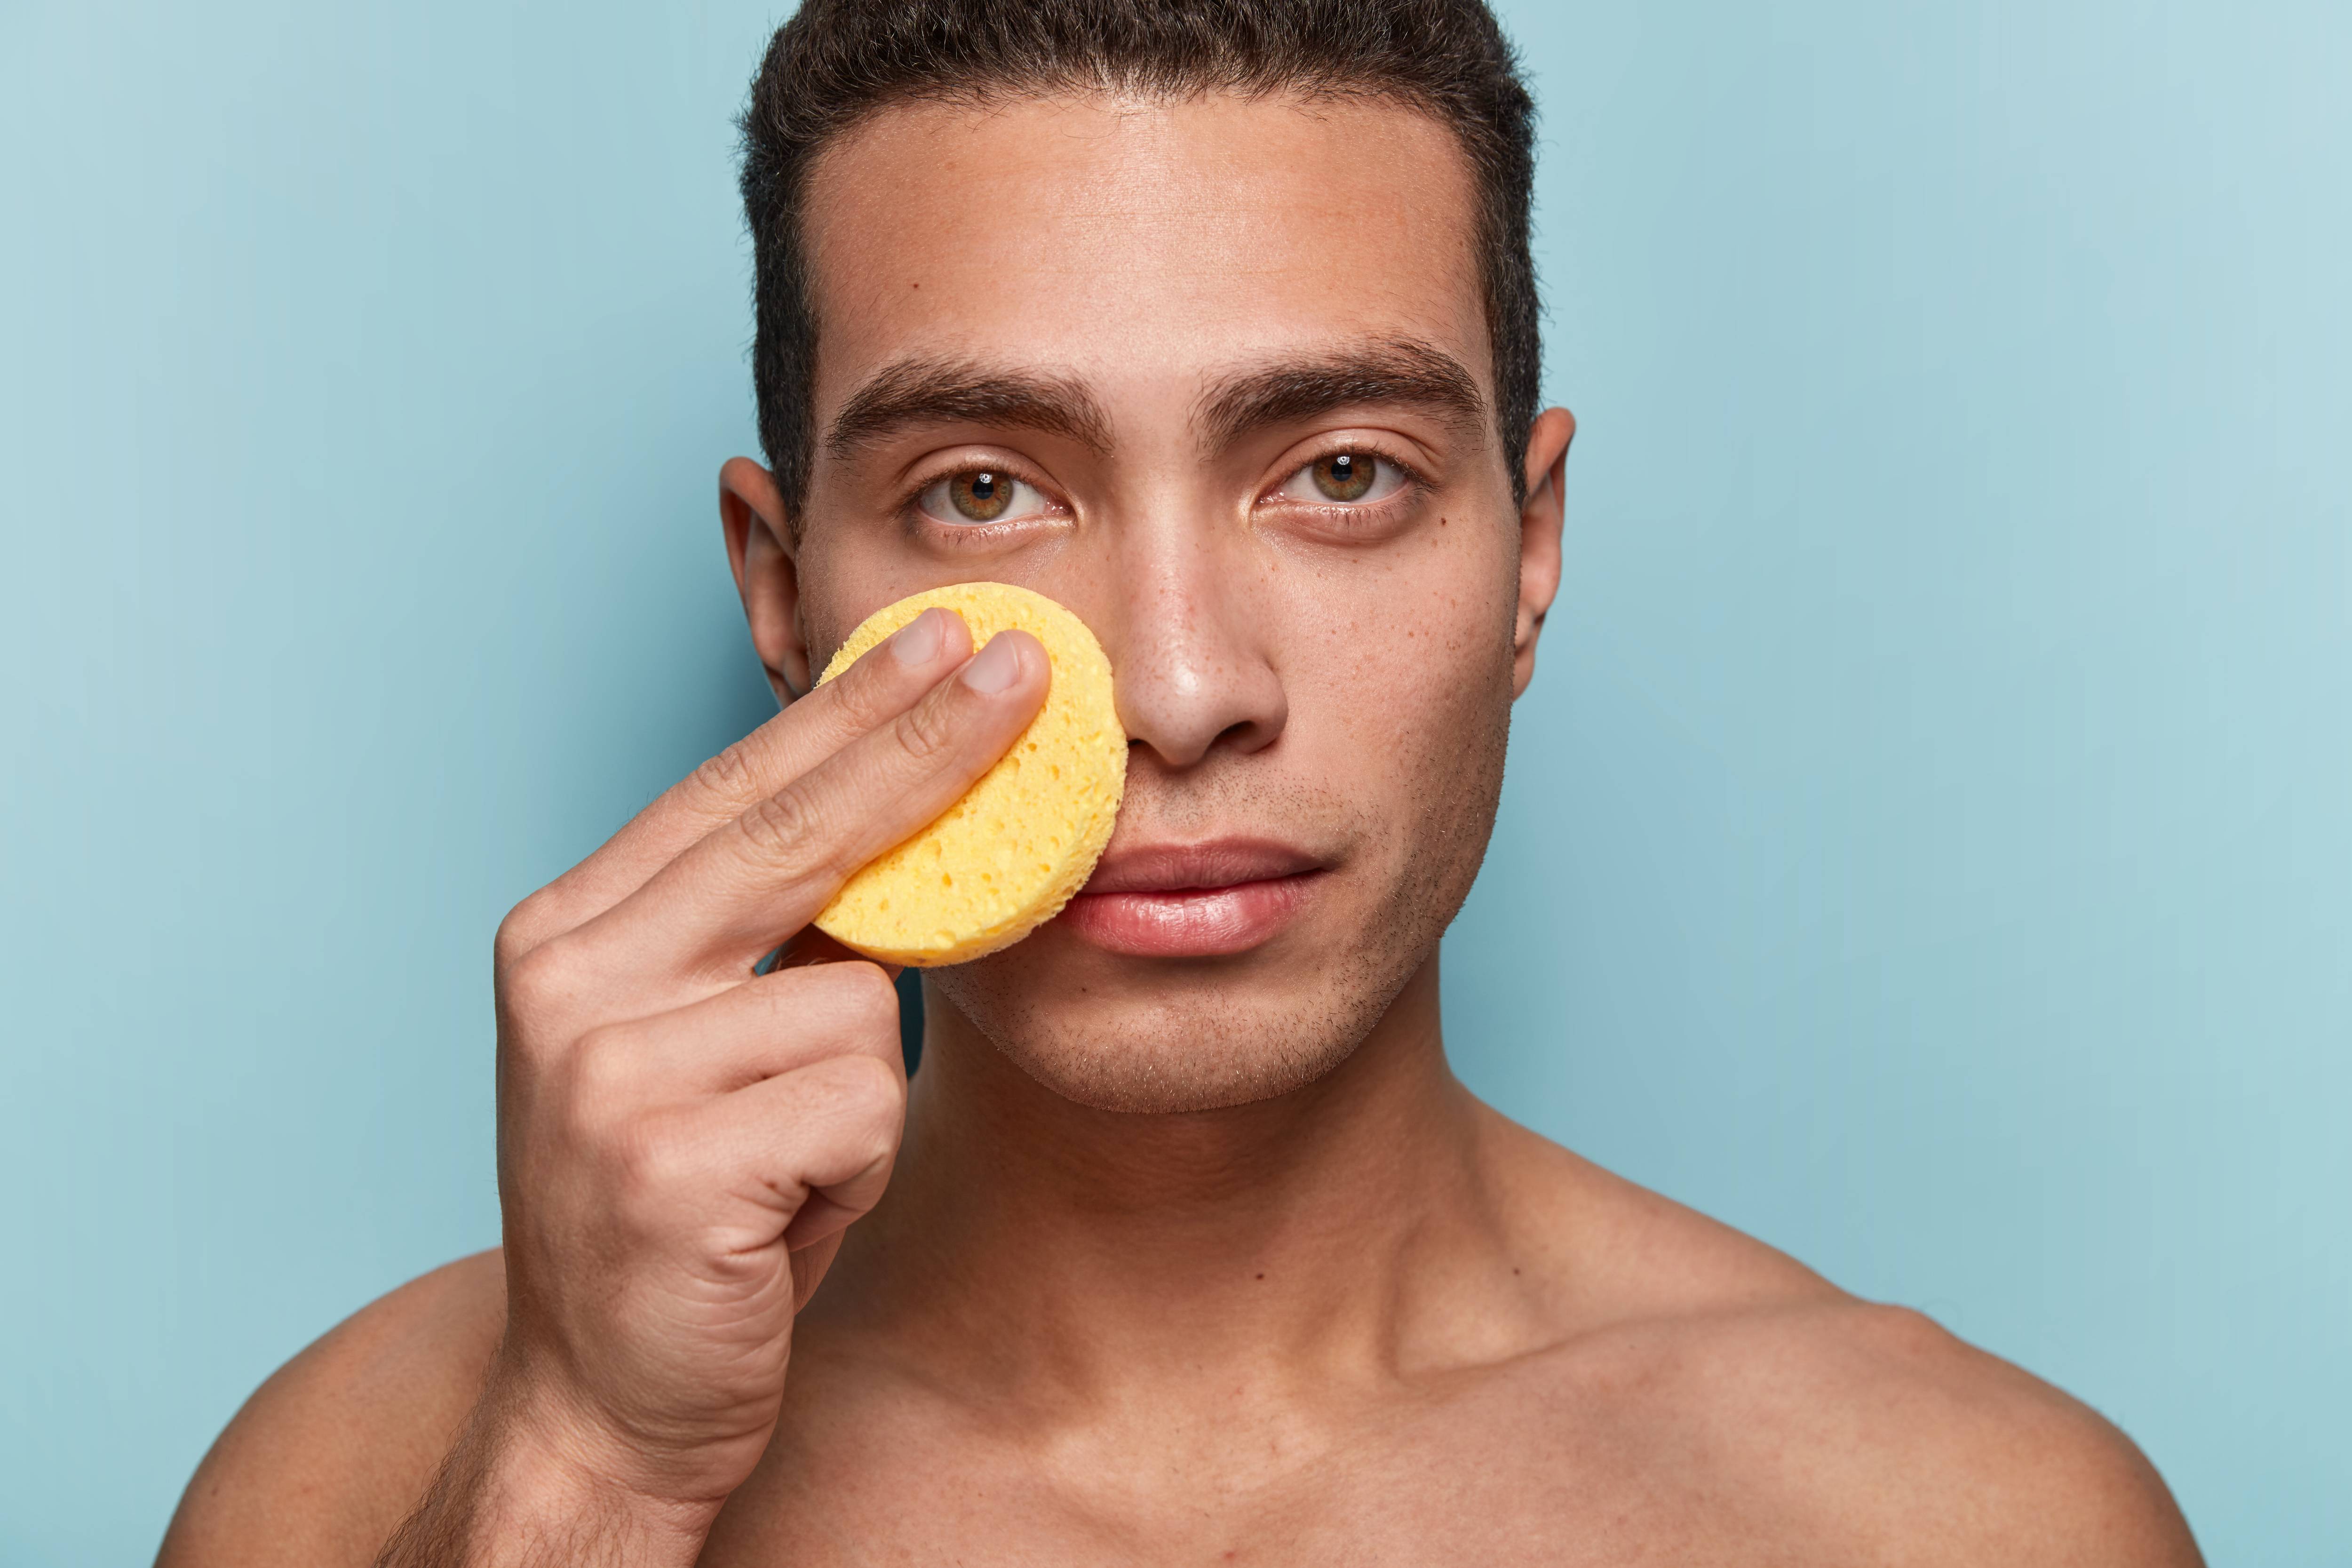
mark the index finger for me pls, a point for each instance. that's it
(882, 685)
(700, 920)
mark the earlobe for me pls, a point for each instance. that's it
(767, 577)
(1541, 521)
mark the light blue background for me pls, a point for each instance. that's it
(1927, 844)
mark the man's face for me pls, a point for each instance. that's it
(1215, 374)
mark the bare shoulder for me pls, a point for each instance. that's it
(1874, 1426)
(1855, 1430)
(330, 1453)
(1609, 1253)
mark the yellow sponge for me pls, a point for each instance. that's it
(1002, 860)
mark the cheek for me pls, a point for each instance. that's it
(1420, 717)
(847, 573)
(1423, 662)
(828, 594)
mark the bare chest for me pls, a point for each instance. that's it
(1495, 1480)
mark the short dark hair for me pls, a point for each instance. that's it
(837, 61)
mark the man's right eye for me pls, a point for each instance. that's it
(980, 495)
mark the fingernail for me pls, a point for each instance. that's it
(997, 669)
(918, 642)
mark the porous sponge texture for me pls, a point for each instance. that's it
(1002, 860)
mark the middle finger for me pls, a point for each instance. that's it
(705, 918)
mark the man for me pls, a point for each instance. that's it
(1213, 321)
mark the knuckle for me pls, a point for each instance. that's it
(879, 1108)
(926, 730)
(868, 1091)
(777, 827)
(526, 925)
(649, 1165)
(869, 996)
(729, 774)
(852, 1111)
(601, 1078)
(862, 698)
(542, 978)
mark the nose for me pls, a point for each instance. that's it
(1193, 654)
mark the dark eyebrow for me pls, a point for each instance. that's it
(1388, 370)
(965, 392)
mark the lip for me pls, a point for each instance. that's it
(1193, 901)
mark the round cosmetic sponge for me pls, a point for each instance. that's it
(1004, 859)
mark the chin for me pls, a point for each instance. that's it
(1160, 1038)
(1164, 1036)
(1164, 1059)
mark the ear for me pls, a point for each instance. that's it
(1540, 528)
(760, 548)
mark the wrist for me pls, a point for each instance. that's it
(525, 1488)
(544, 1482)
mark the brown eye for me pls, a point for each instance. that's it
(1345, 476)
(981, 494)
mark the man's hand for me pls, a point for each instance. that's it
(681, 1144)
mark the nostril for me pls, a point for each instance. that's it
(1194, 679)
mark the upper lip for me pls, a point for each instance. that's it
(1176, 868)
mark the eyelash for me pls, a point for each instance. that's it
(1415, 485)
(910, 508)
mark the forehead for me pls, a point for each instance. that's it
(1144, 245)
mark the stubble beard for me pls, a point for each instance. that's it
(1260, 1030)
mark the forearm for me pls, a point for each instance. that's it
(505, 1500)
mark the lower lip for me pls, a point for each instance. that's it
(1191, 922)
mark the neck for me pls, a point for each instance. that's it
(1343, 1227)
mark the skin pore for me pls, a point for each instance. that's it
(1198, 1256)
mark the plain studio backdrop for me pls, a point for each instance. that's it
(1927, 843)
